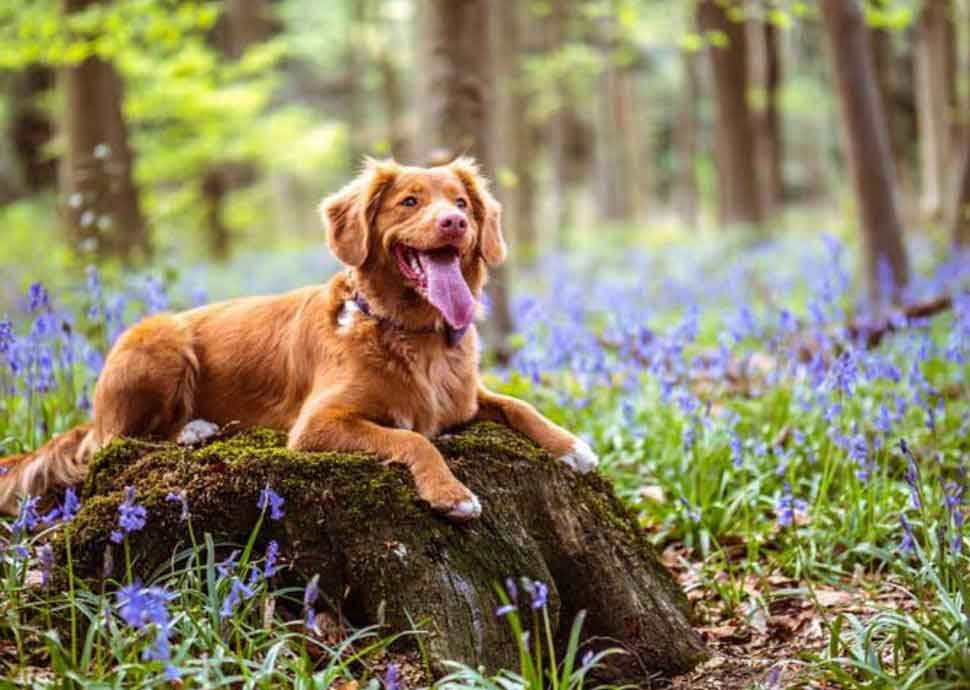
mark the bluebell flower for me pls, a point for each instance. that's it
(227, 567)
(392, 678)
(737, 457)
(310, 594)
(45, 556)
(272, 500)
(131, 516)
(181, 498)
(272, 552)
(238, 591)
(140, 606)
(909, 542)
(38, 298)
(788, 506)
(538, 592)
(27, 519)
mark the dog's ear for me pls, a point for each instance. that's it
(349, 214)
(486, 210)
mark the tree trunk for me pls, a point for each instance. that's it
(768, 131)
(960, 221)
(735, 146)
(102, 211)
(562, 130)
(514, 130)
(384, 557)
(685, 141)
(935, 95)
(456, 111)
(242, 24)
(866, 140)
(617, 134)
(395, 112)
(31, 129)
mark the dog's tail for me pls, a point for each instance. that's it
(59, 463)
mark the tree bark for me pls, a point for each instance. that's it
(102, 211)
(866, 141)
(935, 93)
(384, 557)
(456, 110)
(394, 108)
(30, 129)
(768, 130)
(960, 220)
(685, 141)
(242, 24)
(735, 146)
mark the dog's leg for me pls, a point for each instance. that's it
(524, 418)
(333, 428)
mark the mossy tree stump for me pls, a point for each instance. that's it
(379, 551)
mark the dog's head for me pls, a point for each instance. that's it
(420, 238)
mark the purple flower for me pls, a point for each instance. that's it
(182, 500)
(141, 607)
(539, 593)
(788, 506)
(272, 552)
(131, 516)
(228, 566)
(27, 519)
(909, 542)
(310, 594)
(70, 506)
(237, 593)
(912, 474)
(736, 455)
(392, 678)
(45, 556)
(38, 297)
(272, 500)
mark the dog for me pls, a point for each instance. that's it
(382, 358)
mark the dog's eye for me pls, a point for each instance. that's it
(461, 203)
(409, 201)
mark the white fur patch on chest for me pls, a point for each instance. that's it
(347, 316)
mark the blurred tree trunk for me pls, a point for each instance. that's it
(456, 111)
(354, 61)
(735, 141)
(568, 145)
(30, 129)
(102, 211)
(242, 24)
(960, 220)
(394, 108)
(866, 141)
(685, 141)
(618, 137)
(768, 130)
(936, 94)
(514, 129)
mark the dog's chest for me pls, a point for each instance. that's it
(439, 392)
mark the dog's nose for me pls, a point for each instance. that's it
(452, 225)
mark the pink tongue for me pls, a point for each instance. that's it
(447, 289)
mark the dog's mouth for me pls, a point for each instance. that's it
(436, 275)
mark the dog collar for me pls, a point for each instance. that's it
(453, 336)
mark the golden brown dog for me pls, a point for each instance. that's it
(380, 359)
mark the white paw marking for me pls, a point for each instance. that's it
(197, 431)
(581, 458)
(468, 509)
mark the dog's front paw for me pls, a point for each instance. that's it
(581, 457)
(454, 501)
(196, 432)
